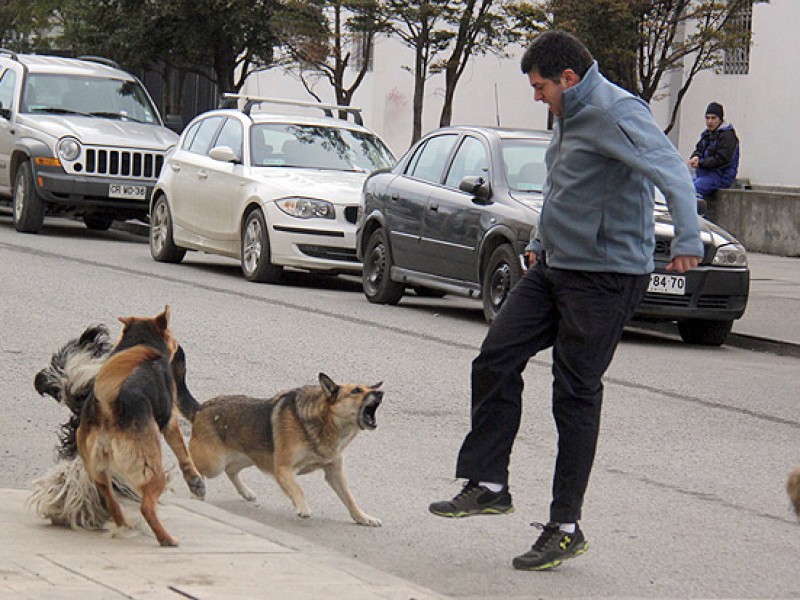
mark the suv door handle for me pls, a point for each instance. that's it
(433, 207)
(202, 175)
(395, 197)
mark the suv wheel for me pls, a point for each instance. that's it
(98, 222)
(375, 280)
(162, 246)
(28, 206)
(703, 332)
(256, 264)
(502, 273)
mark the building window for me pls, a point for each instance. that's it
(736, 61)
(361, 52)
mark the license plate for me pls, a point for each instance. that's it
(667, 284)
(129, 192)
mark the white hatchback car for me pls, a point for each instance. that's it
(271, 190)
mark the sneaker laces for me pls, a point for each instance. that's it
(467, 490)
(549, 533)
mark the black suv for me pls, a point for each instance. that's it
(457, 211)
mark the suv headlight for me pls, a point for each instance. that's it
(68, 149)
(730, 255)
(306, 208)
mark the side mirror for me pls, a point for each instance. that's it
(174, 122)
(477, 186)
(223, 153)
(5, 113)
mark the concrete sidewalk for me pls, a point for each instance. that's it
(220, 556)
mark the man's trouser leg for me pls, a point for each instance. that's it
(593, 309)
(526, 324)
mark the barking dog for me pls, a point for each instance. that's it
(793, 487)
(295, 432)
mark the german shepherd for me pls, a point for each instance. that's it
(134, 397)
(295, 432)
(793, 487)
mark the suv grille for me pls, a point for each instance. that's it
(136, 164)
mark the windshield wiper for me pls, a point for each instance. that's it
(59, 111)
(113, 115)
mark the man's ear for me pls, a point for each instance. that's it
(570, 78)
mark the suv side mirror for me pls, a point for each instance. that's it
(174, 122)
(223, 153)
(477, 186)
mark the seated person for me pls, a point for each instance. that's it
(716, 156)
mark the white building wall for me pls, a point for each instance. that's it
(763, 105)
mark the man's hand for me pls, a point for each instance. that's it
(530, 259)
(681, 264)
(694, 162)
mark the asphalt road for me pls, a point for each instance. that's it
(686, 500)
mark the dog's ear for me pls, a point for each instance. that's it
(162, 320)
(93, 335)
(376, 386)
(328, 385)
(127, 321)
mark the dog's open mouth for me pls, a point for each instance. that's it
(366, 418)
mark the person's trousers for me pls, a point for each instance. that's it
(581, 315)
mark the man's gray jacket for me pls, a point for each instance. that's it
(605, 155)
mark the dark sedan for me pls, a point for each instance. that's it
(456, 213)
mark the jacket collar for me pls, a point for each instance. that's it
(574, 97)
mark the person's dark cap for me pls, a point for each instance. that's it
(715, 108)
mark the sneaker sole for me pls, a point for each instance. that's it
(552, 564)
(485, 511)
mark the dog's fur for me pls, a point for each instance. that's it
(295, 432)
(793, 488)
(116, 419)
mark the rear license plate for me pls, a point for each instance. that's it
(129, 192)
(667, 284)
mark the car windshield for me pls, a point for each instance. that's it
(318, 147)
(87, 96)
(524, 163)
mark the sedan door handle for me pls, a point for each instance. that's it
(395, 197)
(202, 175)
(433, 207)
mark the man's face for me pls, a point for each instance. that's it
(712, 122)
(551, 92)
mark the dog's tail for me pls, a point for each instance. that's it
(117, 369)
(793, 487)
(187, 403)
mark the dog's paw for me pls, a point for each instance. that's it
(198, 487)
(168, 542)
(369, 521)
(304, 514)
(248, 495)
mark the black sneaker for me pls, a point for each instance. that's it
(552, 548)
(474, 499)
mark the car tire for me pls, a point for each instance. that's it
(256, 265)
(376, 280)
(162, 245)
(98, 222)
(28, 207)
(704, 332)
(502, 273)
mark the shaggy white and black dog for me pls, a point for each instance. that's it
(66, 495)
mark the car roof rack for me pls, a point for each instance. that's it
(251, 101)
(11, 53)
(103, 61)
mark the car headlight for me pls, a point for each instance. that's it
(68, 149)
(306, 208)
(730, 255)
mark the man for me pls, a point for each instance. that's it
(716, 156)
(590, 268)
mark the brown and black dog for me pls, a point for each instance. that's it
(134, 399)
(295, 432)
(793, 487)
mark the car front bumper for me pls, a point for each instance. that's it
(313, 244)
(712, 293)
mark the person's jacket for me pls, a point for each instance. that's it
(605, 155)
(719, 150)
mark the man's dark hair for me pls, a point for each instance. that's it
(553, 52)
